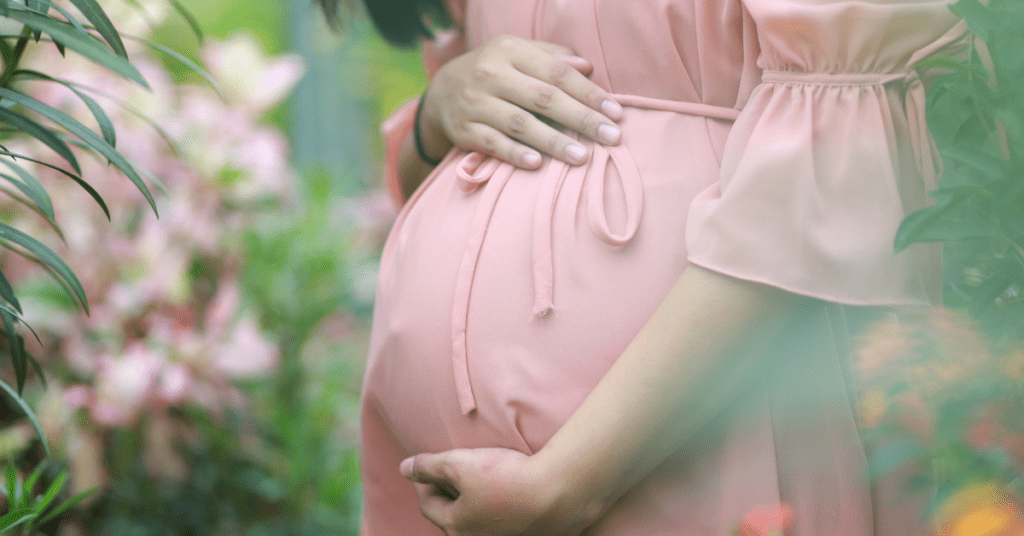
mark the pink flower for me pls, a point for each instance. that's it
(175, 382)
(123, 385)
(769, 520)
(247, 353)
(248, 75)
(224, 306)
(77, 396)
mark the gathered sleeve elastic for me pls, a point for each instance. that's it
(445, 46)
(829, 154)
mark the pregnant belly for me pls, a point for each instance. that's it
(524, 368)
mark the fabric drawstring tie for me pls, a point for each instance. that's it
(474, 170)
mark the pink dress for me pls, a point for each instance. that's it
(778, 141)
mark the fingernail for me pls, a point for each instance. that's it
(609, 133)
(612, 109)
(575, 153)
(531, 160)
(405, 469)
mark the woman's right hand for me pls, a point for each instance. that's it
(485, 100)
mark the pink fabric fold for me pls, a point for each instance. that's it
(830, 154)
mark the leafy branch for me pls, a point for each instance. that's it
(976, 114)
(92, 35)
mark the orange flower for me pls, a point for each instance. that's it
(1015, 365)
(873, 405)
(983, 509)
(881, 349)
(767, 520)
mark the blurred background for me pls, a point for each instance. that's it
(212, 389)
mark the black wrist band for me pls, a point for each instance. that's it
(416, 135)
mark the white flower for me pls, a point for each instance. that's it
(248, 75)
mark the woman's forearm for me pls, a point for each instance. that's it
(681, 370)
(412, 169)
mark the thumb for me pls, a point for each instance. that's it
(427, 469)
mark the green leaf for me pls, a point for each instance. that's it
(189, 18)
(99, 19)
(37, 6)
(7, 292)
(893, 456)
(28, 413)
(1012, 123)
(14, 313)
(980, 20)
(947, 63)
(6, 52)
(987, 164)
(30, 186)
(4, 8)
(35, 364)
(106, 125)
(51, 493)
(987, 292)
(189, 63)
(12, 485)
(71, 19)
(917, 222)
(135, 112)
(40, 133)
(60, 509)
(85, 45)
(81, 182)
(48, 257)
(95, 142)
(17, 356)
(16, 517)
(30, 485)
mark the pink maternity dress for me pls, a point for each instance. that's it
(777, 141)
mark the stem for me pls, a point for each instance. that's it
(19, 50)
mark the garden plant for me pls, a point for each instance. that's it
(942, 396)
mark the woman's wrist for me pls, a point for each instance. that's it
(573, 497)
(429, 140)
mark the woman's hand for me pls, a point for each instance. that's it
(485, 100)
(492, 492)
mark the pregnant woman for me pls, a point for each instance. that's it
(621, 300)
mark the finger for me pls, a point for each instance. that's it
(519, 124)
(567, 55)
(435, 469)
(547, 68)
(553, 103)
(482, 137)
(434, 505)
(552, 48)
(580, 64)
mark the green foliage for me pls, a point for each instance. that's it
(299, 270)
(22, 116)
(976, 114)
(25, 510)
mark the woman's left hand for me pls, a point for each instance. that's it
(492, 492)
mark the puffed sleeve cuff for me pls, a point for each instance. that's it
(817, 174)
(394, 130)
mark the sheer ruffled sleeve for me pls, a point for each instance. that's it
(445, 46)
(829, 154)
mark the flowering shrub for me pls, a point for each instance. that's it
(940, 396)
(150, 386)
(942, 402)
